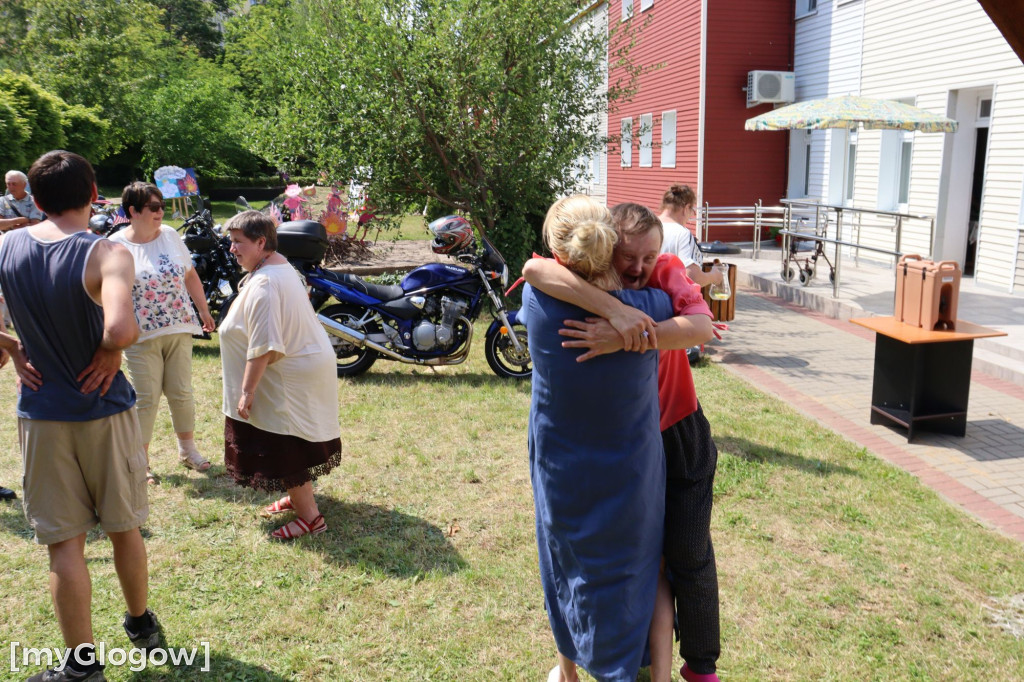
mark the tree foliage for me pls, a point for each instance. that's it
(108, 54)
(482, 106)
(194, 118)
(13, 26)
(192, 22)
(40, 111)
(34, 121)
(14, 132)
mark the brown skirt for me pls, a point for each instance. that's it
(273, 462)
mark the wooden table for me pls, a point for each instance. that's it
(922, 378)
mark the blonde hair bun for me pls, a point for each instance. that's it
(579, 232)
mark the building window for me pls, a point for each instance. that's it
(894, 159)
(646, 140)
(627, 9)
(626, 142)
(805, 7)
(646, 4)
(984, 110)
(668, 139)
(851, 167)
(906, 149)
(807, 165)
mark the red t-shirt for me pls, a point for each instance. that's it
(677, 396)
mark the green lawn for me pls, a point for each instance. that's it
(833, 565)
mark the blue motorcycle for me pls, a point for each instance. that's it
(425, 320)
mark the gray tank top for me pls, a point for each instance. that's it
(59, 324)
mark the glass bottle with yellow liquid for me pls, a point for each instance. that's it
(721, 292)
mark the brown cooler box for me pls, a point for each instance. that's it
(722, 311)
(927, 293)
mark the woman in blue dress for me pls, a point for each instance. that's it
(596, 464)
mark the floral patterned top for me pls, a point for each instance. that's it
(162, 304)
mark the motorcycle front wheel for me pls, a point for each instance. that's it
(352, 360)
(503, 357)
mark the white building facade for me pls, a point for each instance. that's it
(945, 56)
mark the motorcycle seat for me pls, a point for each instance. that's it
(382, 292)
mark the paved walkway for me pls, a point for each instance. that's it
(823, 367)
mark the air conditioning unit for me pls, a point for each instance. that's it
(764, 87)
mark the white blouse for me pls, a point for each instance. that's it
(162, 304)
(298, 394)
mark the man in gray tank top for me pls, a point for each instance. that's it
(69, 294)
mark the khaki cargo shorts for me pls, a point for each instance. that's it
(78, 474)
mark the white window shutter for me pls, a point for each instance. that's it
(646, 140)
(668, 139)
(626, 143)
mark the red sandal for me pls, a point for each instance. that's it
(279, 507)
(299, 527)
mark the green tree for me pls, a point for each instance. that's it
(483, 106)
(194, 119)
(14, 132)
(13, 26)
(34, 121)
(107, 54)
(40, 111)
(192, 22)
(87, 133)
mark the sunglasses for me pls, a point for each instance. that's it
(154, 206)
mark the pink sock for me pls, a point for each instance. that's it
(691, 676)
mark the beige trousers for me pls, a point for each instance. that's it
(163, 365)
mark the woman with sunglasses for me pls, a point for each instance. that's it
(166, 287)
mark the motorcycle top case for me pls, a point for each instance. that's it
(304, 240)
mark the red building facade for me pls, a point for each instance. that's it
(697, 54)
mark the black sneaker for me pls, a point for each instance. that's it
(67, 675)
(147, 637)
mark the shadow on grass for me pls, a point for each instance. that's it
(424, 375)
(381, 539)
(206, 351)
(13, 521)
(222, 667)
(756, 453)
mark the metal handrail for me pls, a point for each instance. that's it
(859, 213)
(756, 216)
(824, 211)
(788, 234)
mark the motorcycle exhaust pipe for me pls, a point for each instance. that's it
(357, 339)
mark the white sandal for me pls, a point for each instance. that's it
(193, 460)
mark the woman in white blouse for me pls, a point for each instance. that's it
(166, 287)
(280, 383)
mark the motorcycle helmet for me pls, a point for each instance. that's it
(452, 234)
(101, 223)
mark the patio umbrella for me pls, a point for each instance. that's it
(852, 112)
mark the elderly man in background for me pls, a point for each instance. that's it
(17, 209)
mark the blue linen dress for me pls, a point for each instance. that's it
(598, 474)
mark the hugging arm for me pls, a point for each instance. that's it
(635, 328)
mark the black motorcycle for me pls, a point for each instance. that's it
(211, 257)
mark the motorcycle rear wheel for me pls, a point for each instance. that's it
(352, 361)
(502, 356)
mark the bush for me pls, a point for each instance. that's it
(14, 131)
